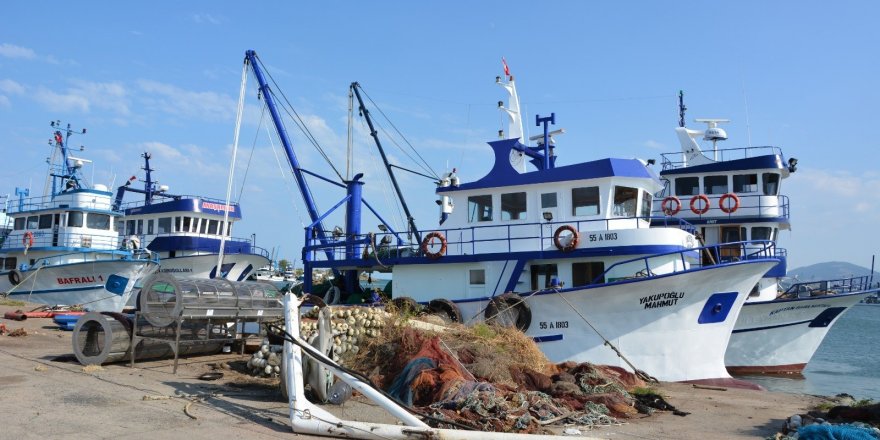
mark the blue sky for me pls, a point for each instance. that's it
(164, 77)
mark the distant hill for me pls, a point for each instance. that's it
(830, 270)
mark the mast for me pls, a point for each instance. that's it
(366, 113)
(251, 59)
(681, 108)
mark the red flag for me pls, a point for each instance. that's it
(58, 137)
(506, 69)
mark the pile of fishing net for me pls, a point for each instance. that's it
(493, 378)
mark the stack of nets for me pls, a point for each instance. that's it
(493, 378)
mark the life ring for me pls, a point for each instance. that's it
(28, 239)
(445, 309)
(572, 243)
(670, 211)
(722, 203)
(429, 240)
(14, 277)
(509, 309)
(704, 209)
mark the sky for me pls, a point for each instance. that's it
(165, 76)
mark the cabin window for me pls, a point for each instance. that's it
(715, 185)
(46, 221)
(118, 224)
(19, 224)
(745, 183)
(625, 201)
(548, 200)
(771, 184)
(687, 186)
(177, 226)
(33, 221)
(164, 225)
(585, 201)
(150, 227)
(129, 227)
(74, 219)
(583, 274)
(513, 206)
(187, 222)
(9, 263)
(762, 233)
(98, 221)
(732, 234)
(477, 277)
(647, 200)
(479, 209)
(229, 229)
(140, 227)
(212, 227)
(543, 275)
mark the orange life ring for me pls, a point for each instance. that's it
(429, 240)
(669, 210)
(557, 238)
(700, 211)
(28, 239)
(723, 205)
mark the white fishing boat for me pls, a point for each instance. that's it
(731, 195)
(187, 231)
(564, 252)
(63, 248)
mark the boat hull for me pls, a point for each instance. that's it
(667, 326)
(781, 336)
(237, 267)
(101, 285)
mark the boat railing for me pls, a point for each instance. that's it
(49, 202)
(750, 205)
(473, 240)
(48, 238)
(828, 287)
(675, 160)
(659, 264)
(139, 203)
(97, 255)
(235, 245)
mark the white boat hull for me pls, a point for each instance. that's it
(781, 336)
(238, 266)
(101, 285)
(660, 335)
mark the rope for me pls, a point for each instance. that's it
(251, 156)
(641, 374)
(238, 115)
(33, 275)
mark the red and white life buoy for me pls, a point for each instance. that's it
(429, 242)
(571, 243)
(28, 240)
(722, 203)
(671, 205)
(704, 209)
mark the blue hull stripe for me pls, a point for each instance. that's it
(746, 330)
(547, 338)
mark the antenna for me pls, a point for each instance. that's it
(714, 133)
(681, 108)
(748, 124)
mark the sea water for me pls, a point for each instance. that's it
(848, 361)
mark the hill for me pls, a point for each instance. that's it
(830, 270)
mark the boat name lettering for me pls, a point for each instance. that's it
(664, 299)
(79, 280)
(808, 306)
(218, 206)
(603, 236)
(176, 270)
(543, 325)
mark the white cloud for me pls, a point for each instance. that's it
(4, 102)
(650, 143)
(181, 102)
(13, 51)
(84, 96)
(62, 102)
(11, 87)
(207, 18)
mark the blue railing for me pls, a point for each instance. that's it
(47, 238)
(161, 199)
(229, 241)
(49, 202)
(724, 154)
(747, 202)
(828, 287)
(469, 240)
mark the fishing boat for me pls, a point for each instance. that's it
(63, 248)
(564, 252)
(186, 231)
(734, 194)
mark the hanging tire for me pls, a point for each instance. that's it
(333, 295)
(405, 304)
(14, 277)
(445, 309)
(509, 310)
